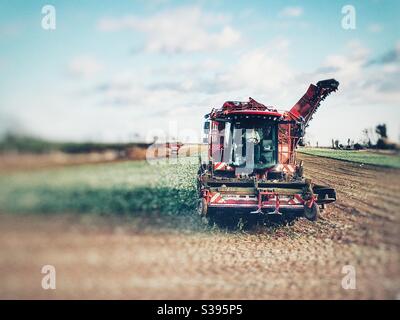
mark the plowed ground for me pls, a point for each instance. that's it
(150, 257)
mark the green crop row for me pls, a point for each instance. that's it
(116, 188)
(362, 156)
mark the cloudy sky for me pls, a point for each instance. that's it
(124, 70)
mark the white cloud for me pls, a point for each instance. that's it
(184, 89)
(262, 70)
(291, 12)
(362, 83)
(9, 30)
(187, 29)
(84, 66)
(375, 28)
(348, 66)
(368, 94)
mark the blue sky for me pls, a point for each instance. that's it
(120, 70)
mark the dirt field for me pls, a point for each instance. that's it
(178, 258)
(14, 162)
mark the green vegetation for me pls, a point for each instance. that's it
(25, 144)
(117, 188)
(125, 187)
(366, 157)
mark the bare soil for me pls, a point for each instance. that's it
(154, 257)
(27, 161)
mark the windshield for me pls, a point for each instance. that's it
(253, 144)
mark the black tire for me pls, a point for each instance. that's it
(311, 213)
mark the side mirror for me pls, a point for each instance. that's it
(206, 127)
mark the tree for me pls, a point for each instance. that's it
(336, 144)
(367, 140)
(381, 130)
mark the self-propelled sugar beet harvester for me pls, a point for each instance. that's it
(252, 167)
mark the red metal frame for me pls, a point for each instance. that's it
(290, 126)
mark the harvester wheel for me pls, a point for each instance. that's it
(202, 207)
(311, 213)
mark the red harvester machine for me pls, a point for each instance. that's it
(252, 167)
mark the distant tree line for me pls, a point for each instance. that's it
(25, 144)
(382, 140)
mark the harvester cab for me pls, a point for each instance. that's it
(243, 144)
(251, 165)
